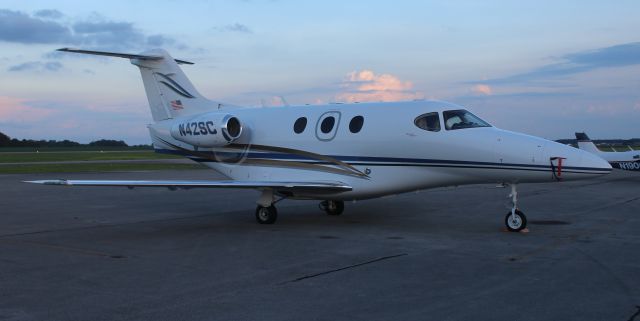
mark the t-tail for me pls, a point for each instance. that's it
(169, 91)
(585, 143)
(627, 160)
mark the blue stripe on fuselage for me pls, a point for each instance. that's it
(389, 161)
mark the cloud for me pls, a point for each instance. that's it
(19, 27)
(14, 110)
(159, 40)
(615, 56)
(95, 31)
(236, 27)
(622, 108)
(482, 89)
(37, 66)
(274, 101)
(49, 13)
(365, 85)
(84, 122)
(107, 33)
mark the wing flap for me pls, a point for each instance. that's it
(329, 187)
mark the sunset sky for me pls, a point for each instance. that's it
(546, 68)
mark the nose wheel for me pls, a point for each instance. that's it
(332, 207)
(515, 220)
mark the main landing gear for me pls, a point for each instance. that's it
(515, 220)
(266, 212)
(332, 207)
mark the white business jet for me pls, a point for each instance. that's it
(628, 160)
(338, 152)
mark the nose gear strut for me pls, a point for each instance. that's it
(515, 220)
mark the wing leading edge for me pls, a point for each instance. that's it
(317, 187)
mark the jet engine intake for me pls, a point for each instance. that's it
(209, 130)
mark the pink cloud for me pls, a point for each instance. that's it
(482, 89)
(365, 85)
(17, 110)
(274, 101)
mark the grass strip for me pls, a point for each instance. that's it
(22, 157)
(106, 167)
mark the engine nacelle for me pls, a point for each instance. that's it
(209, 130)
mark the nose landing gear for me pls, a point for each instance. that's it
(515, 220)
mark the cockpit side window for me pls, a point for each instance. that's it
(460, 118)
(430, 122)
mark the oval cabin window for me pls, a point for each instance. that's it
(327, 124)
(300, 125)
(355, 125)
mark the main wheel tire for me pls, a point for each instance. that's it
(516, 222)
(266, 215)
(333, 207)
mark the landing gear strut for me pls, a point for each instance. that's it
(515, 220)
(332, 207)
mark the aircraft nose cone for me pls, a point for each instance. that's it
(592, 161)
(576, 163)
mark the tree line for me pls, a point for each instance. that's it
(609, 142)
(6, 141)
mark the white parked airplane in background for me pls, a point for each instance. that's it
(628, 160)
(339, 152)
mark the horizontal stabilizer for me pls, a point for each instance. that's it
(328, 187)
(121, 55)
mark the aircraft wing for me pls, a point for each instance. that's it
(316, 187)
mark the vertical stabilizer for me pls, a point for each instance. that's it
(169, 91)
(585, 143)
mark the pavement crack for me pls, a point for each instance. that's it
(309, 276)
(627, 290)
(633, 317)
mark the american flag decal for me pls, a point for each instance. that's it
(176, 105)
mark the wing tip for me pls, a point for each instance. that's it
(183, 62)
(49, 182)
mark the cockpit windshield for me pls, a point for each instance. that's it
(460, 118)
